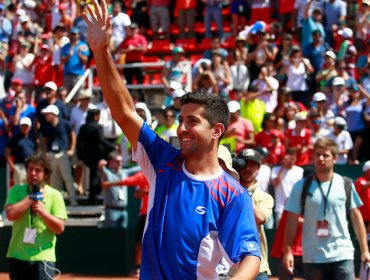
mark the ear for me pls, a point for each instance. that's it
(218, 130)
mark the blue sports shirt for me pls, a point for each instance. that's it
(193, 222)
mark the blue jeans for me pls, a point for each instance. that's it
(115, 218)
(214, 12)
(262, 276)
(343, 270)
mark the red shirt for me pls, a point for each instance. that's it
(300, 141)
(263, 138)
(277, 250)
(43, 71)
(365, 197)
(136, 41)
(241, 130)
(186, 4)
(276, 154)
(286, 6)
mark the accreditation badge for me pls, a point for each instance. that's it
(322, 228)
(29, 236)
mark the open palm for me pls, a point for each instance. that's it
(99, 26)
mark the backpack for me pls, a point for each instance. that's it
(307, 183)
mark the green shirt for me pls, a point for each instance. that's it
(44, 247)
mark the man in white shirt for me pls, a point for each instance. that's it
(120, 21)
(342, 138)
(79, 112)
(111, 130)
(283, 177)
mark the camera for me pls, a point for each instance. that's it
(239, 163)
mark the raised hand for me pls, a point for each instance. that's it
(99, 26)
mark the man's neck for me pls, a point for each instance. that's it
(248, 184)
(202, 167)
(324, 176)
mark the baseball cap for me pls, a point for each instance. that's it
(250, 154)
(84, 93)
(51, 85)
(330, 54)
(233, 106)
(17, 82)
(25, 44)
(217, 52)
(258, 26)
(134, 25)
(319, 96)
(345, 33)
(23, 18)
(300, 116)
(25, 121)
(178, 93)
(338, 81)
(225, 156)
(44, 47)
(74, 30)
(178, 49)
(340, 121)
(366, 2)
(366, 166)
(52, 109)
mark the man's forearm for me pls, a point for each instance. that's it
(54, 224)
(248, 268)
(360, 230)
(290, 231)
(17, 210)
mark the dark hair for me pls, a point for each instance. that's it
(266, 118)
(215, 108)
(40, 159)
(112, 155)
(60, 89)
(291, 151)
(91, 113)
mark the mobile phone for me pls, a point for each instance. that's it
(174, 141)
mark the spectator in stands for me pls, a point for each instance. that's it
(343, 139)
(22, 67)
(315, 124)
(297, 70)
(176, 106)
(79, 112)
(335, 12)
(28, 32)
(216, 46)
(322, 107)
(239, 10)
(315, 51)
(221, 71)
(328, 70)
(59, 39)
(213, 12)
(341, 68)
(140, 15)
(90, 138)
(240, 76)
(282, 57)
(80, 24)
(31, 251)
(159, 18)
(263, 138)
(362, 185)
(43, 71)
(252, 108)
(311, 23)
(283, 177)
(134, 46)
(278, 150)
(240, 130)
(65, 19)
(186, 11)
(168, 129)
(21, 109)
(120, 22)
(262, 202)
(362, 25)
(6, 26)
(4, 47)
(59, 141)
(21, 146)
(74, 56)
(325, 223)
(16, 87)
(111, 130)
(300, 138)
(4, 136)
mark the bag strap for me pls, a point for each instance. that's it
(348, 190)
(306, 185)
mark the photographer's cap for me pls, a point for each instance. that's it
(51, 85)
(25, 121)
(250, 154)
(225, 156)
(52, 109)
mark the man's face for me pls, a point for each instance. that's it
(288, 161)
(249, 172)
(195, 133)
(50, 93)
(169, 118)
(25, 129)
(35, 173)
(49, 117)
(323, 160)
(115, 163)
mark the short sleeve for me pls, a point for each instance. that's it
(355, 199)
(16, 194)
(294, 201)
(58, 208)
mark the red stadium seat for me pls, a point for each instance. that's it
(159, 47)
(229, 43)
(204, 45)
(188, 44)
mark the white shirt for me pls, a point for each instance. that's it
(270, 99)
(58, 50)
(78, 117)
(283, 190)
(119, 23)
(344, 141)
(21, 72)
(111, 129)
(297, 78)
(263, 177)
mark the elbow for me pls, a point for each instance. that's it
(60, 229)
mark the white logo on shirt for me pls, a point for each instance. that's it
(201, 210)
(251, 246)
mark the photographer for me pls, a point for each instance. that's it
(38, 213)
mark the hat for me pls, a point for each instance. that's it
(346, 33)
(175, 85)
(233, 106)
(20, 12)
(217, 52)
(29, 4)
(23, 18)
(134, 25)
(45, 47)
(239, 38)
(178, 93)
(319, 96)
(330, 54)
(62, 6)
(366, 2)
(74, 30)
(178, 49)
(250, 154)
(258, 26)
(353, 88)
(25, 121)
(366, 166)
(2, 6)
(17, 82)
(52, 109)
(338, 81)
(300, 116)
(317, 8)
(340, 121)
(225, 156)
(51, 85)
(25, 44)
(60, 27)
(84, 93)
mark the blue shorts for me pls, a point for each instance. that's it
(239, 7)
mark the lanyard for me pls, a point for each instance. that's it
(30, 215)
(327, 194)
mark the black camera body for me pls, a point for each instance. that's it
(239, 163)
